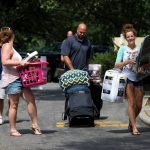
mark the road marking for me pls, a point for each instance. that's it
(62, 124)
(110, 123)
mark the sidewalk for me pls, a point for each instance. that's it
(145, 112)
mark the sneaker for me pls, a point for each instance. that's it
(1, 120)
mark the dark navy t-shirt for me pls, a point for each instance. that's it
(78, 51)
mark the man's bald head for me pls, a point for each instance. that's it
(69, 33)
(81, 30)
(82, 26)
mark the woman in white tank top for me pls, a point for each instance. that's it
(12, 83)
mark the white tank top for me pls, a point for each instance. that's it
(10, 73)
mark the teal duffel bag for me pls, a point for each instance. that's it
(73, 77)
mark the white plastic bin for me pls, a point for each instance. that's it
(113, 86)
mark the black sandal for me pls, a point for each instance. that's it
(130, 128)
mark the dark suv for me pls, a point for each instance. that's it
(55, 66)
(53, 57)
(99, 48)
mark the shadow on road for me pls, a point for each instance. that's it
(18, 121)
(126, 130)
(29, 131)
(49, 95)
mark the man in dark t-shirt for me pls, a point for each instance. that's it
(69, 34)
(76, 50)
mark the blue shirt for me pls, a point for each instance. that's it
(0, 64)
(77, 50)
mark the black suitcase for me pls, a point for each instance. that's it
(80, 110)
(96, 90)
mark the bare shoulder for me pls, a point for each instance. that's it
(7, 50)
(7, 47)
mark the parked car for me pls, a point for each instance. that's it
(55, 66)
(53, 57)
(99, 48)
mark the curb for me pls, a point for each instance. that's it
(145, 112)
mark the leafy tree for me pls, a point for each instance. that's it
(40, 22)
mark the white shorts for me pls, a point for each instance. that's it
(2, 92)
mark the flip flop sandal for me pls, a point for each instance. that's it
(36, 129)
(136, 133)
(15, 133)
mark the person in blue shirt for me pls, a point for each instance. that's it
(2, 90)
(126, 60)
(76, 50)
(2, 94)
(69, 34)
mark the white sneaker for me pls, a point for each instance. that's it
(1, 120)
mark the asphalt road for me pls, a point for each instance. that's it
(110, 131)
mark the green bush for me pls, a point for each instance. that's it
(107, 60)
